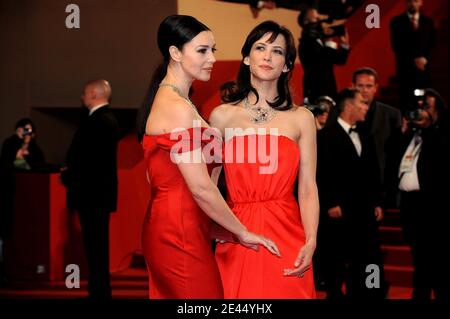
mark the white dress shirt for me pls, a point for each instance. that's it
(409, 180)
(354, 136)
(95, 108)
(414, 18)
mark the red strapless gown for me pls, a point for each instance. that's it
(176, 232)
(265, 203)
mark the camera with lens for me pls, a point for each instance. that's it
(414, 113)
(27, 131)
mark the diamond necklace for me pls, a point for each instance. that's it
(259, 115)
(180, 93)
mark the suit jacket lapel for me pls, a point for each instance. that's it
(346, 140)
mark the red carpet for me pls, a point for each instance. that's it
(131, 283)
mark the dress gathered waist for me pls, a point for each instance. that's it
(286, 197)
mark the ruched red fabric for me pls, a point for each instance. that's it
(176, 232)
(260, 193)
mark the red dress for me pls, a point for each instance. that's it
(176, 232)
(266, 205)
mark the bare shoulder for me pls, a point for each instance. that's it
(221, 114)
(302, 113)
(223, 110)
(174, 110)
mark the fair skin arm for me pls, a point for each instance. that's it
(307, 191)
(218, 233)
(335, 212)
(345, 39)
(216, 120)
(205, 192)
(379, 213)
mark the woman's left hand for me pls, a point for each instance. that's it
(303, 261)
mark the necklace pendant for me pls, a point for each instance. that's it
(258, 114)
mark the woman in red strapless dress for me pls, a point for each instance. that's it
(176, 232)
(273, 143)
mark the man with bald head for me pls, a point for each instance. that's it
(91, 181)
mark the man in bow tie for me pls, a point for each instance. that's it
(350, 200)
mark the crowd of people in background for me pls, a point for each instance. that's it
(371, 156)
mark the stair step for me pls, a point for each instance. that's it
(392, 211)
(397, 255)
(391, 235)
(400, 276)
(391, 218)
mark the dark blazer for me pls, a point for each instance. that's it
(35, 160)
(383, 123)
(318, 66)
(12, 144)
(345, 179)
(91, 175)
(433, 170)
(409, 44)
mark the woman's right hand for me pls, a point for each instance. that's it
(335, 212)
(252, 241)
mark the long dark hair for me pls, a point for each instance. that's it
(176, 30)
(25, 121)
(234, 92)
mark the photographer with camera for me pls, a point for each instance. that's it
(423, 168)
(319, 52)
(19, 152)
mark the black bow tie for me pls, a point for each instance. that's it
(352, 129)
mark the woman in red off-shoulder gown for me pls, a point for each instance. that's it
(176, 232)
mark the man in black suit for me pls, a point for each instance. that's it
(318, 55)
(412, 37)
(383, 123)
(350, 201)
(423, 172)
(19, 152)
(91, 181)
